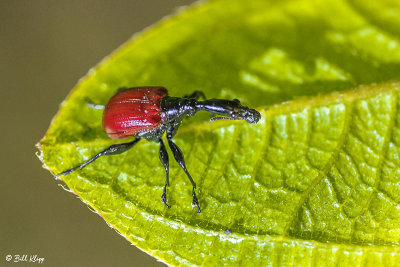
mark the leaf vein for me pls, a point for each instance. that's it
(322, 173)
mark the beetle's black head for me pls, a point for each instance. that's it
(239, 112)
(250, 115)
(231, 110)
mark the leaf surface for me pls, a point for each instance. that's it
(315, 182)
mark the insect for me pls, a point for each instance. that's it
(148, 112)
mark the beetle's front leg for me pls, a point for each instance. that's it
(179, 158)
(196, 95)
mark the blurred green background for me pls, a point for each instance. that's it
(45, 47)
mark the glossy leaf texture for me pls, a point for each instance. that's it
(315, 182)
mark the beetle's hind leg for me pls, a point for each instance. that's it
(111, 150)
(119, 90)
(165, 161)
(93, 105)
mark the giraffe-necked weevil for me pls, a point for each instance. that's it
(148, 112)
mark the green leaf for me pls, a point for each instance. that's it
(315, 182)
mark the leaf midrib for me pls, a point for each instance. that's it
(360, 93)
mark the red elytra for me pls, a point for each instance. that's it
(132, 111)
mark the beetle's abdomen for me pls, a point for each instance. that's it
(133, 111)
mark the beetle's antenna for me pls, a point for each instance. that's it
(223, 118)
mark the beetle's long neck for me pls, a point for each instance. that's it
(215, 106)
(175, 108)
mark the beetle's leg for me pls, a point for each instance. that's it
(92, 105)
(120, 89)
(165, 161)
(179, 158)
(196, 95)
(111, 150)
